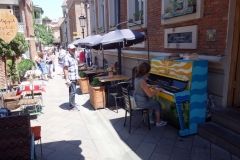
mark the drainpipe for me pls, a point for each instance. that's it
(27, 27)
(86, 9)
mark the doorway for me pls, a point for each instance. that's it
(234, 85)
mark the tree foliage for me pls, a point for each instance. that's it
(11, 51)
(45, 34)
(15, 48)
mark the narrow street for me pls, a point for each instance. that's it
(100, 135)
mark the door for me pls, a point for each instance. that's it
(234, 86)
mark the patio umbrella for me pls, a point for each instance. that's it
(118, 39)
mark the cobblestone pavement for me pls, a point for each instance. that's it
(96, 135)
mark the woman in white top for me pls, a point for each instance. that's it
(49, 62)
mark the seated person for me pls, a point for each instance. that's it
(142, 94)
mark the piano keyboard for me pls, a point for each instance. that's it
(164, 91)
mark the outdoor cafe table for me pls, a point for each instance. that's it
(27, 86)
(107, 79)
(112, 79)
(92, 73)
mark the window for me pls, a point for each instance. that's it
(137, 12)
(101, 16)
(17, 13)
(113, 13)
(176, 11)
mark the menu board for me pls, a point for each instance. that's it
(8, 25)
(184, 37)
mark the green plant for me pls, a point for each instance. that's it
(192, 2)
(82, 74)
(95, 82)
(13, 50)
(140, 13)
(174, 4)
(168, 10)
(25, 65)
(136, 16)
(12, 71)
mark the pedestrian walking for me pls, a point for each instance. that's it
(88, 56)
(49, 62)
(71, 75)
(42, 65)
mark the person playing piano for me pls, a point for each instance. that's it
(142, 94)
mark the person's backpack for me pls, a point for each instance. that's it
(4, 112)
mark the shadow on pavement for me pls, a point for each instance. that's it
(64, 150)
(64, 106)
(88, 106)
(78, 91)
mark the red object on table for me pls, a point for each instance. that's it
(27, 88)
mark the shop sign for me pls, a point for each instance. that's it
(8, 25)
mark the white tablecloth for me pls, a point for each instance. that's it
(33, 72)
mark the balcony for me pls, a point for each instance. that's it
(38, 21)
(20, 27)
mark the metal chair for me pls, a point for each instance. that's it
(115, 91)
(128, 106)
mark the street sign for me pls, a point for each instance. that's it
(8, 25)
(77, 32)
(75, 37)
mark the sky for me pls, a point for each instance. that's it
(51, 8)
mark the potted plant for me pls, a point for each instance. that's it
(130, 20)
(192, 2)
(168, 10)
(111, 70)
(97, 94)
(175, 5)
(136, 16)
(140, 13)
(83, 82)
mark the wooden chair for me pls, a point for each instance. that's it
(36, 130)
(128, 106)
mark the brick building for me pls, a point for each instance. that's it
(72, 10)
(22, 9)
(211, 16)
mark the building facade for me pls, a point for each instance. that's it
(22, 9)
(70, 28)
(209, 22)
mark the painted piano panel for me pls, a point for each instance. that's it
(185, 108)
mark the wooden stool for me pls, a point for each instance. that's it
(30, 102)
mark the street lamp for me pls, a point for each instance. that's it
(82, 20)
(39, 44)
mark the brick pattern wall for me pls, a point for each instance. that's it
(215, 17)
(28, 25)
(2, 75)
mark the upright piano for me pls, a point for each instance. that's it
(183, 101)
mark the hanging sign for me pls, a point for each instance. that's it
(8, 25)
